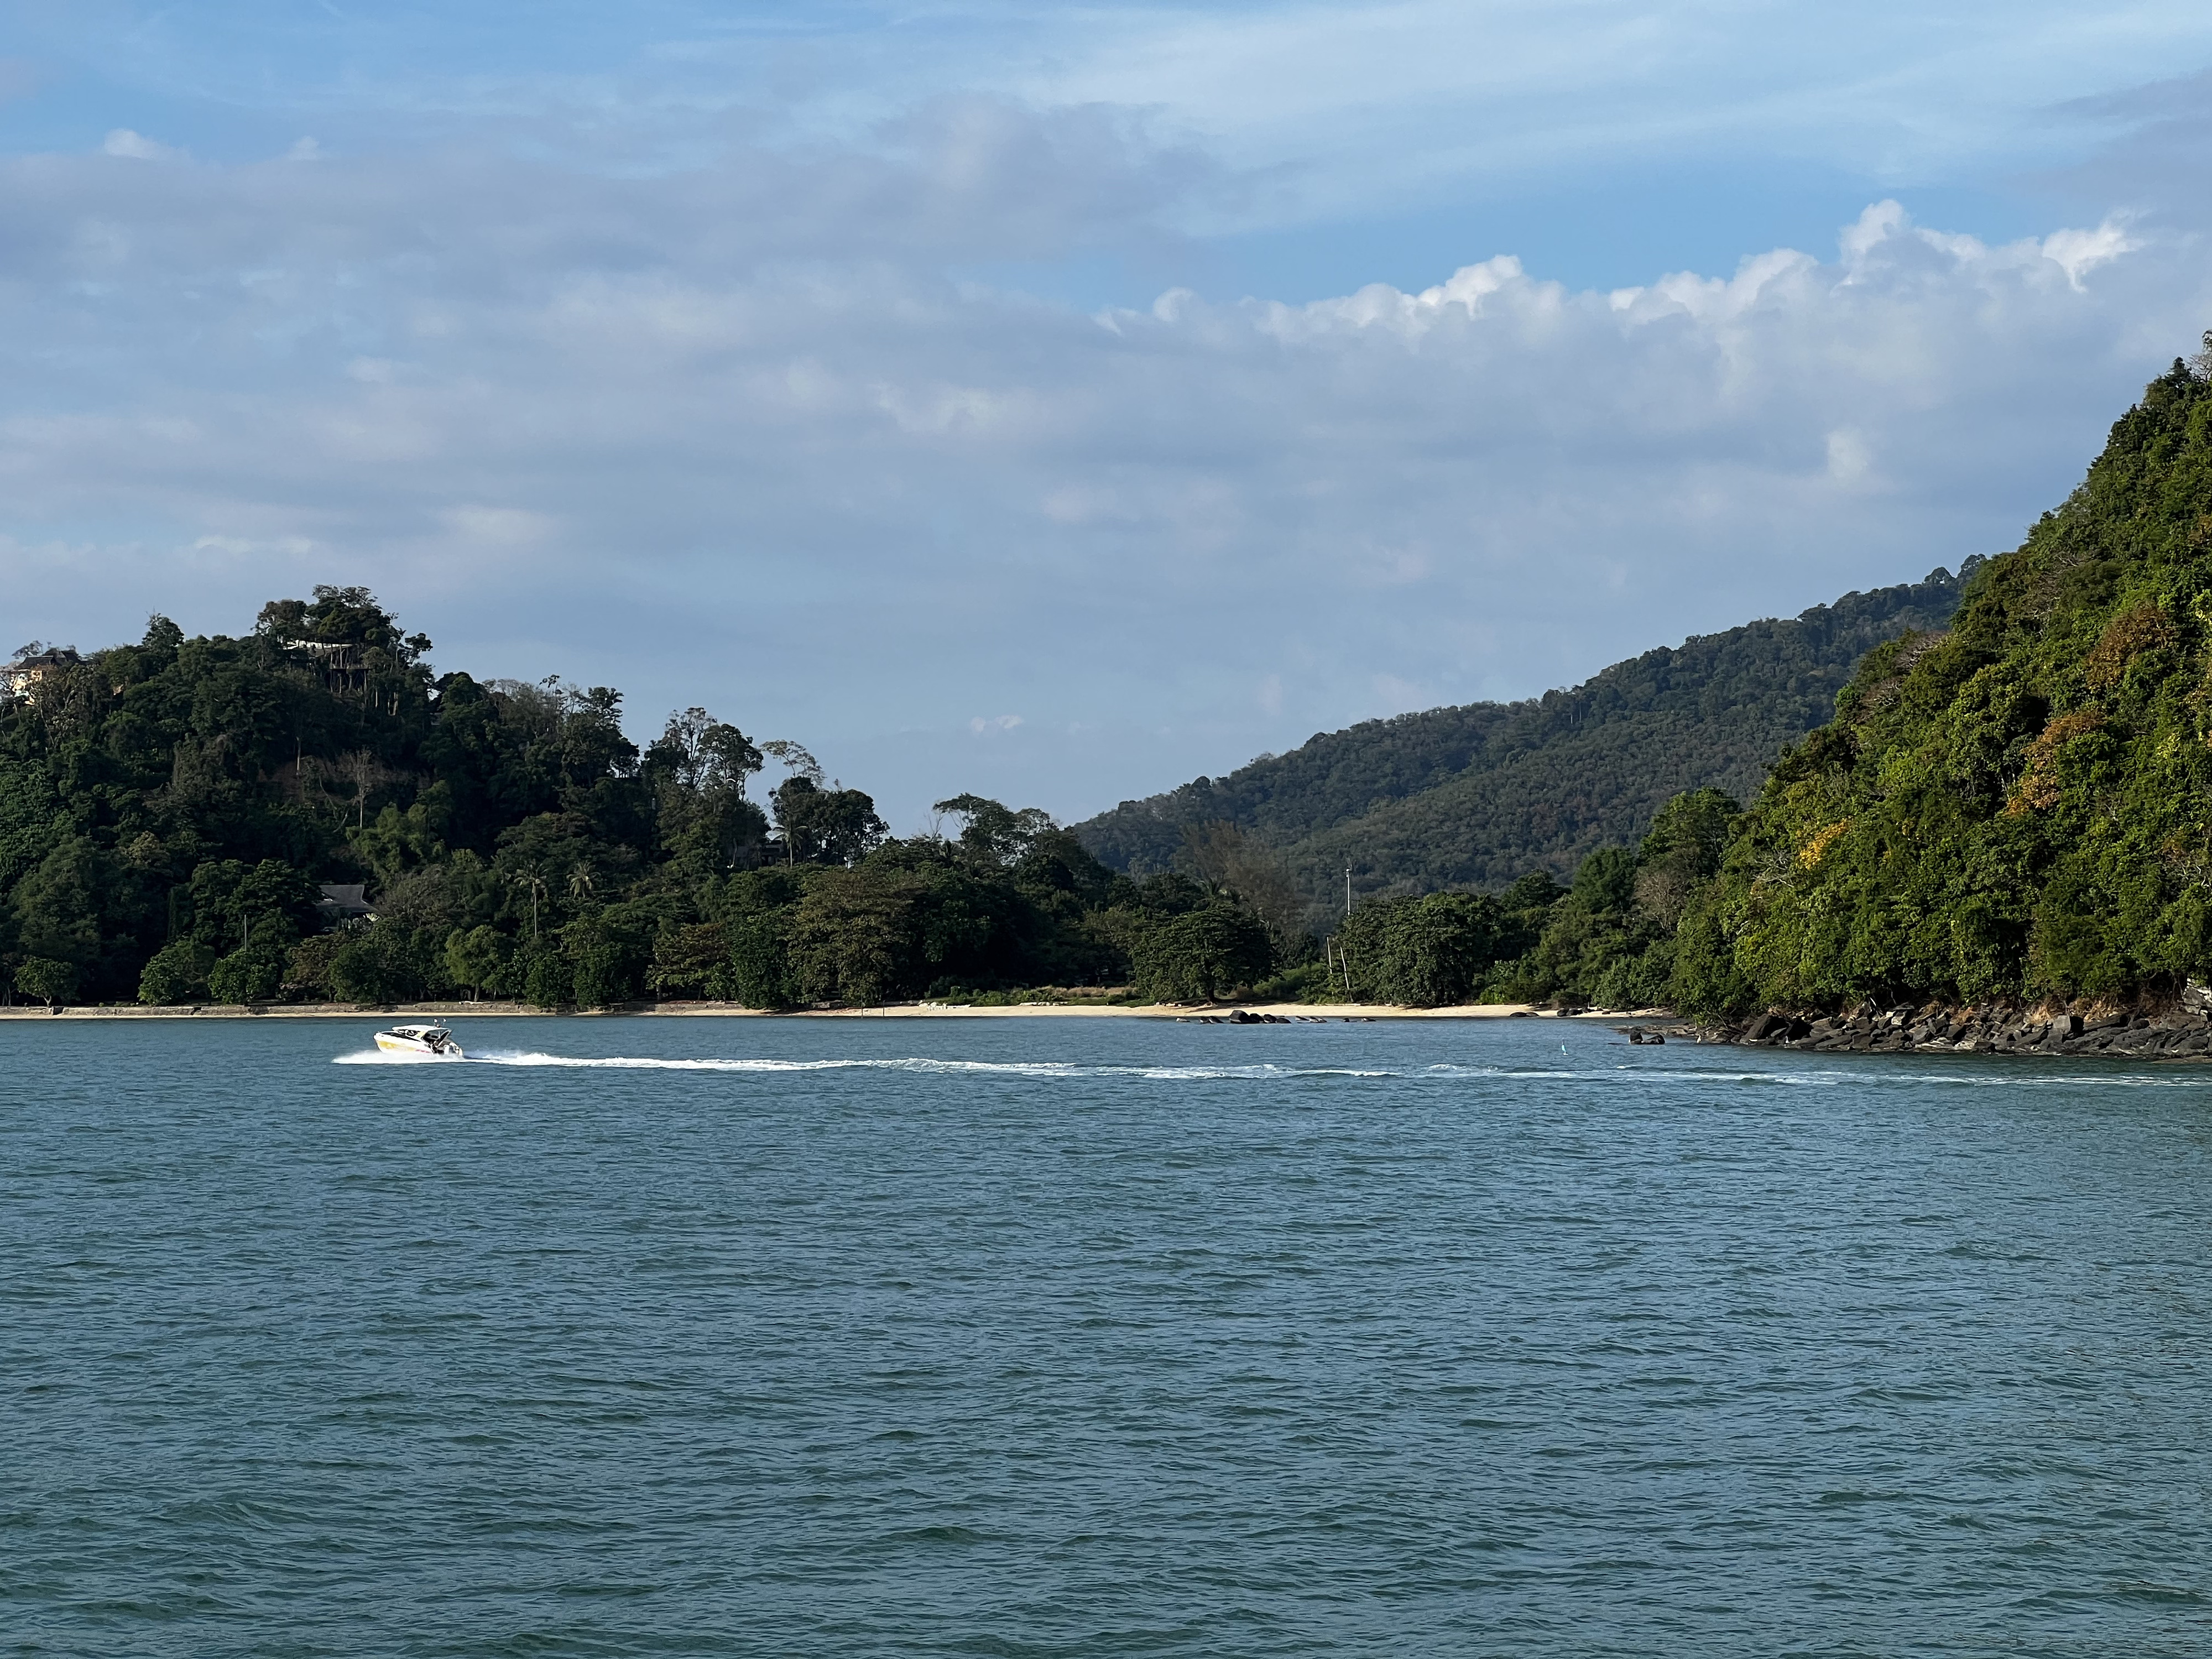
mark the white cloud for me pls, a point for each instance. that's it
(242, 547)
(1849, 459)
(1356, 109)
(135, 147)
(729, 435)
(502, 528)
(2077, 252)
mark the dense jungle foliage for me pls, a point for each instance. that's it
(1608, 940)
(1475, 796)
(2018, 807)
(174, 815)
(171, 812)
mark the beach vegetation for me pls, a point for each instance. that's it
(176, 973)
(46, 979)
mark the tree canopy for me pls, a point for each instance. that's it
(170, 813)
(2019, 806)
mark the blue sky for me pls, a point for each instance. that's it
(1062, 403)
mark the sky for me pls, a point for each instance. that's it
(1059, 404)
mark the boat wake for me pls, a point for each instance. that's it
(1064, 1071)
(963, 1067)
(1643, 1073)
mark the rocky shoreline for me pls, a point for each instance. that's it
(2180, 1028)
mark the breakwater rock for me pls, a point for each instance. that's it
(2180, 1029)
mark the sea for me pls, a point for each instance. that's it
(1072, 1337)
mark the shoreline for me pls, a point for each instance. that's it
(2086, 1029)
(1222, 1011)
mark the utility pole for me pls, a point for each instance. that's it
(1343, 958)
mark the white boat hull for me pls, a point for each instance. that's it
(392, 1043)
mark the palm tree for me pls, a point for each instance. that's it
(536, 884)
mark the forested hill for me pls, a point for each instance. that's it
(2021, 807)
(306, 812)
(1480, 795)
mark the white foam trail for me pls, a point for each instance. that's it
(1047, 1069)
(1990, 1073)
(1060, 1071)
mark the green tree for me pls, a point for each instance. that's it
(546, 977)
(855, 937)
(1203, 954)
(1683, 849)
(993, 831)
(607, 950)
(176, 973)
(307, 969)
(249, 975)
(1428, 952)
(689, 961)
(759, 969)
(826, 826)
(477, 956)
(235, 903)
(359, 972)
(58, 909)
(398, 841)
(50, 980)
(698, 770)
(1239, 867)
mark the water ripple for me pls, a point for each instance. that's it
(1081, 1338)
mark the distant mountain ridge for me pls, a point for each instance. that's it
(1478, 795)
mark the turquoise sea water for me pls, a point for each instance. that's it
(1087, 1338)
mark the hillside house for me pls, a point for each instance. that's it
(20, 678)
(342, 903)
(344, 670)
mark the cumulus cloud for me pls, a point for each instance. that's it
(135, 147)
(731, 434)
(2077, 252)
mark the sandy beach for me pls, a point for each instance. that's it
(891, 1010)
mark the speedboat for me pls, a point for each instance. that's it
(435, 1041)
